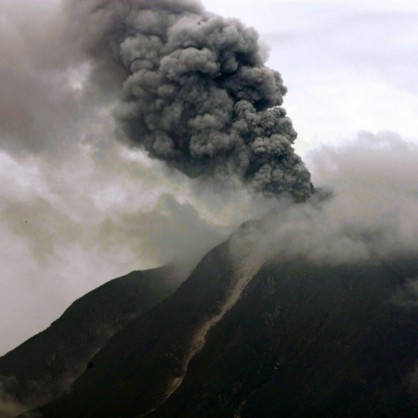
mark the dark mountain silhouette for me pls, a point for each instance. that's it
(249, 337)
(46, 364)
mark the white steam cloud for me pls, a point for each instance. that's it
(365, 208)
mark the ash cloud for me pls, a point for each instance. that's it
(195, 91)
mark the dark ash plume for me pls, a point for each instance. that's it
(196, 92)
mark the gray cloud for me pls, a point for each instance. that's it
(40, 104)
(196, 92)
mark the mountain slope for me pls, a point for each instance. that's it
(147, 356)
(45, 365)
(245, 337)
(306, 341)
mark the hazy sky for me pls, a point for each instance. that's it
(349, 65)
(77, 208)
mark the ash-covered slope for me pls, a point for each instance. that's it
(144, 360)
(307, 341)
(246, 337)
(46, 364)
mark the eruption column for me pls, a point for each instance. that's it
(196, 92)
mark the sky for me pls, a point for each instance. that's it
(79, 208)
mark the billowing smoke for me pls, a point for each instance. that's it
(195, 91)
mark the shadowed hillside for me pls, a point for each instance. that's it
(47, 363)
(302, 340)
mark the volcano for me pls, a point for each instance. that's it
(264, 325)
(248, 336)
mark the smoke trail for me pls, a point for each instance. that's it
(196, 92)
(9, 407)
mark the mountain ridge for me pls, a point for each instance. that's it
(46, 364)
(302, 339)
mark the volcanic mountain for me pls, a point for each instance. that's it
(45, 365)
(252, 331)
(250, 336)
